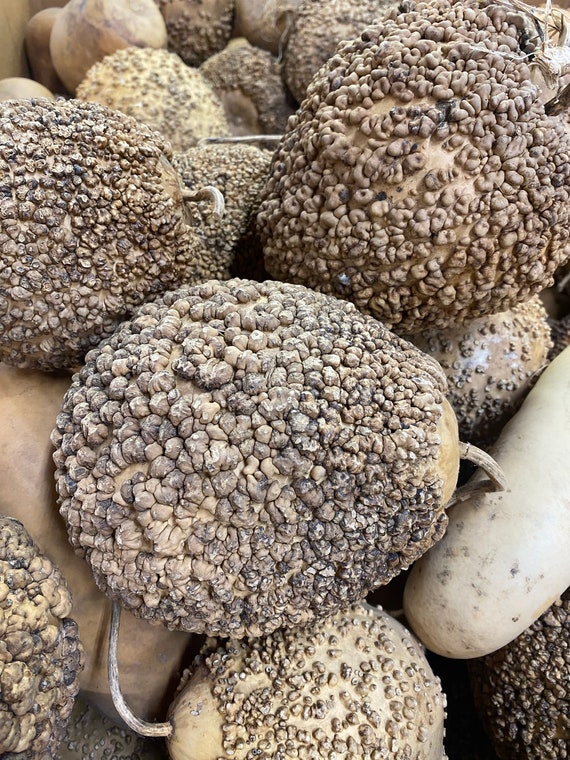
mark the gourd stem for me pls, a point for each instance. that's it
(485, 462)
(496, 480)
(142, 727)
(208, 192)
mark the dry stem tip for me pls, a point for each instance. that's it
(142, 727)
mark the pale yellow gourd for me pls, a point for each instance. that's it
(505, 556)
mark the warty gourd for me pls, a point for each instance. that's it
(425, 177)
(93, 221)
(41, 654)
(240, 456)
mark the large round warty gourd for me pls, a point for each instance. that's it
(92, 223)
(241, 456)
(423, 177)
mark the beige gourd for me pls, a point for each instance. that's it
(505, 556)
(22, 87)
(85, 31)
(37, 46)
(327, 684)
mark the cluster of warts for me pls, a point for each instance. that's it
(357, 686)
(92, 223)
(241, 456)
(521, 690)
(40, 653)
(421, 177)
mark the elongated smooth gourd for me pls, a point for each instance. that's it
(505, 556)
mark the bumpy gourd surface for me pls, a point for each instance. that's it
(91, 224)
(317, 29)
(421, 177)
(40, 652)
(490, 363)
(248, 80)
(157, 88)
(356, 686)
(197, 31)
(238, 172)
(521, 690)
(241, 456)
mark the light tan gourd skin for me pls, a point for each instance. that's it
(346, 664)
(29, 403)
(265, 23)
(36, 44)
(87, 30)
(505, 557)
(22, 87)
(448, 459)
(358, 680)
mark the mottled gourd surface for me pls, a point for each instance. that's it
(245, 455)
(422, 178)
(248, 81)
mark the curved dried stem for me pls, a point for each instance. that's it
(496, 480)
(486, 462)
(142, 727)
(208, 192)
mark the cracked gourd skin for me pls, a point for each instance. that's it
(421, 178)
(520, 691)
(356, 686)
(245, 455)
(156, 87)
(92, 223)
(40, 651)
